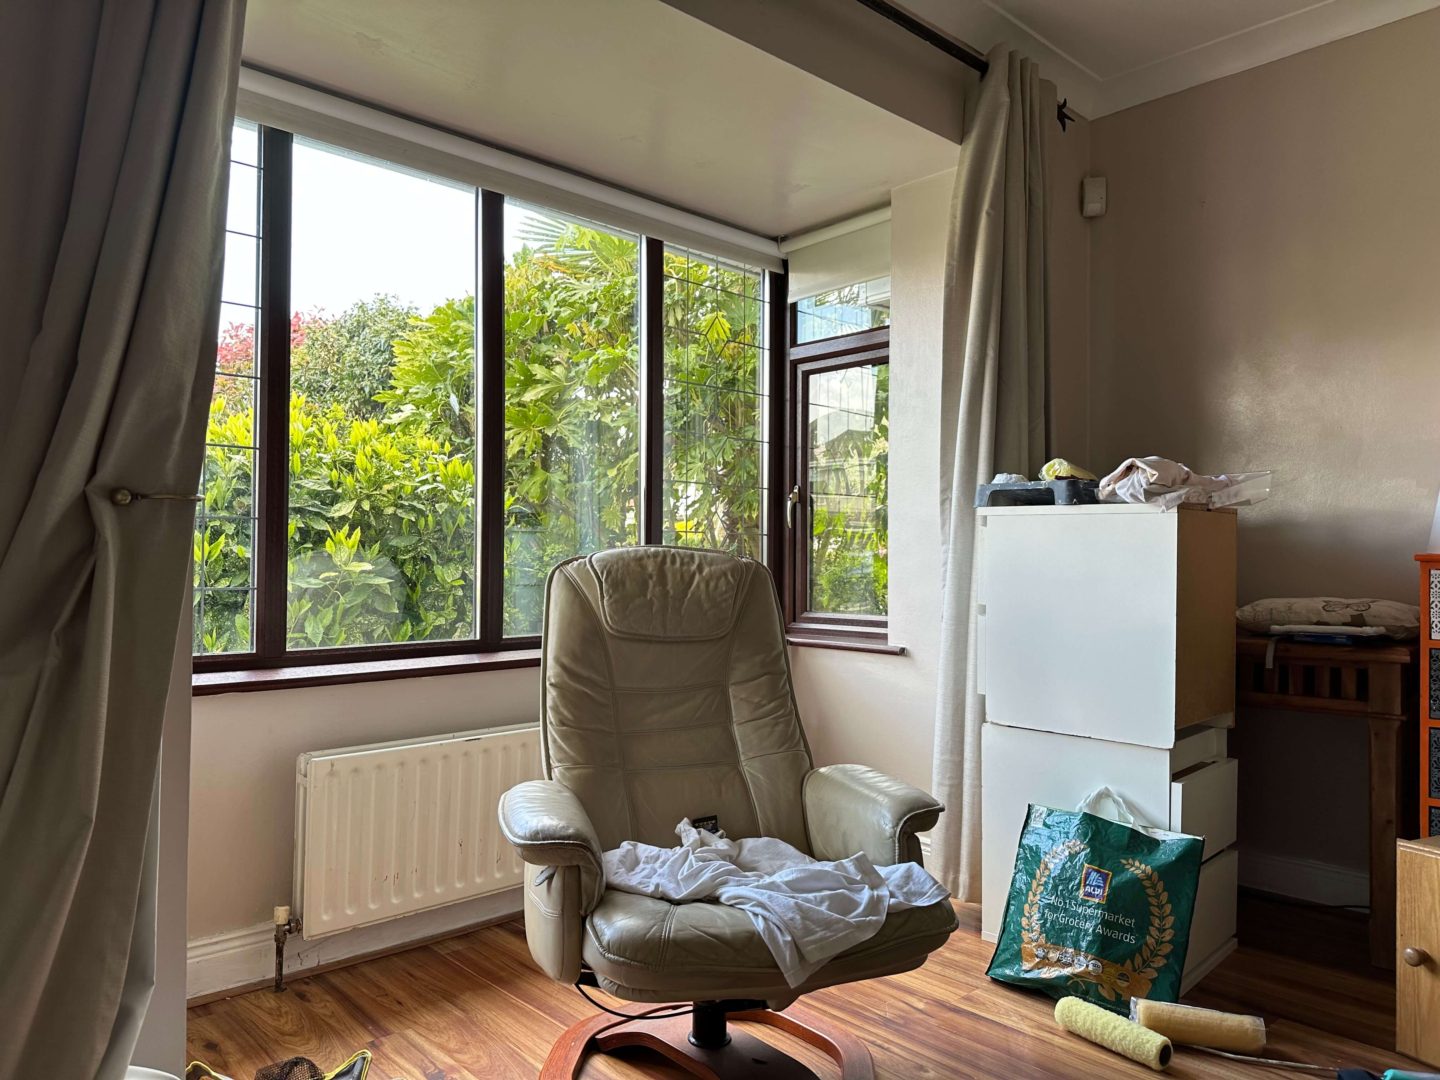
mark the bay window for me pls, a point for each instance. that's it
(427, 394)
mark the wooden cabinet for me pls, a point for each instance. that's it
(1429, 694)
(1417, 970)
(1105, 652)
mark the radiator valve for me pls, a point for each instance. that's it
(285, 925)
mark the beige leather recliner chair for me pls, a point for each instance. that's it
(667, 695)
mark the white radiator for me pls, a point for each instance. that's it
(390, 829)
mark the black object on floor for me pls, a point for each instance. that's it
(299, 1068)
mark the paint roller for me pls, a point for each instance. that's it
(1186, 1024)
(1117, 1033)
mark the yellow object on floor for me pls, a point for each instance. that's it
(1104, 1028)
(1190, 1026)
(1058, 469)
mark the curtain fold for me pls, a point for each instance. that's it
(114, 134)
(992, 401)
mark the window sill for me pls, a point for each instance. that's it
(204, 684)
(844, 643)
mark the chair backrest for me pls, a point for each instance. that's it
(667, 695)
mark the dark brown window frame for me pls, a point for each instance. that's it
(867, 633)
(271, 665)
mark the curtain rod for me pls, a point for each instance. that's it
(948, 45)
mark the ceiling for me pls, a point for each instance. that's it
(1107, 55)
(630, 92)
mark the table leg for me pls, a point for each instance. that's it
(1385, 757)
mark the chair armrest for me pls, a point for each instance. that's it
(551, 830)
(549, 827)
(851, 809)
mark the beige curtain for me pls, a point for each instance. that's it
(992, 400)
(114, 133)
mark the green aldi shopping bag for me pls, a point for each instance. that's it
(1098, 908)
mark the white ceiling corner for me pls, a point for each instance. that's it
(1107, 55)
(633, 93)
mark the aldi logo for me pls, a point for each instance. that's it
(1094, 884)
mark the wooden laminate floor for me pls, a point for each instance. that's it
(474, 1008)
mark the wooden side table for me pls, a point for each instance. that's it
(1369, 682)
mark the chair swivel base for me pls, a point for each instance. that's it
(704, 1047)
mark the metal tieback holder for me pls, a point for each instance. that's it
(124, 497)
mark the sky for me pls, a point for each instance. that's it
(360, 227)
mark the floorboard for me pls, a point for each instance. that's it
(474, 1008)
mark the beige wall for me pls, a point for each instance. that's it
(1266, 295)
(875, 709)
(242, 774)
(1069, 162)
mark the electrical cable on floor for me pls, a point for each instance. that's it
(1273, 1063)
(633, 1016)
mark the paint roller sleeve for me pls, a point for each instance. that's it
(1116, 1033)
(1190, 1026)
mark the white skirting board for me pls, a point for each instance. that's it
(245, 957)
(1304, 879)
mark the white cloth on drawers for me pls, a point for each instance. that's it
(805, 910)
(1158, 480)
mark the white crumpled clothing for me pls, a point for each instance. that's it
(1169, 483)
(806, 911)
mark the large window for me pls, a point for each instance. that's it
(572, 398)
(428, 394)
(381, 535)
(838, 504)
(716, 406)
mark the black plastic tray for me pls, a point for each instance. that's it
(1066, 491)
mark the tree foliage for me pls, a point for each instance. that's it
(383, 442)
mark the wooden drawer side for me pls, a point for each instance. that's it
(1205, 618)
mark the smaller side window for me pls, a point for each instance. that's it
(839, 502)
(852, 309)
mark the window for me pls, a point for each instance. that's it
(382, 536)
(862, 306)
(715, 374)
(428, 394)
(225, 522)
(572, 399)
(840, 389)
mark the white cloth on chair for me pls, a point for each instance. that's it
(806, 911)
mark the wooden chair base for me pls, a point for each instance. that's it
(744, 1055)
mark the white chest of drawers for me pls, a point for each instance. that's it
(1105, 654)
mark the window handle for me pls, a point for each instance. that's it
(791, 501)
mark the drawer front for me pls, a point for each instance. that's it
(1214, 921)
(1417, 985)
(1100, 587)
(1202, 803)
(1196, 745)
(1021, 766)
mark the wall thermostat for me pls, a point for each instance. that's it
(1092, 196)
